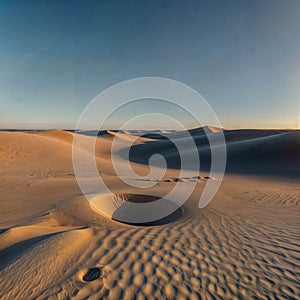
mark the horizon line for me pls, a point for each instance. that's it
(143, 129)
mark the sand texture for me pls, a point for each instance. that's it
(54, 244)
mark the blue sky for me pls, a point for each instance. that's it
(242, 56)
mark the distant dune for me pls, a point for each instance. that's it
(54, 244)
(258, 152)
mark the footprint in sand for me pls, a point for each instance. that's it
(187, 179)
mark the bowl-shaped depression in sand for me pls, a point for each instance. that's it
(119, 208)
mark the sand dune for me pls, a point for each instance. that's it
(269, 153)
(243, 245)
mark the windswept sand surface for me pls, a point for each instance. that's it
(243, 245)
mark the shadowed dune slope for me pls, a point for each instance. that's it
(262, 153)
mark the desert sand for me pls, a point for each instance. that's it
(243, 245)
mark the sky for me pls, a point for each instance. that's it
(243, 57)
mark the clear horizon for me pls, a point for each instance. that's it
(243, 58)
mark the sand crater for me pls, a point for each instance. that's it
(119, 207)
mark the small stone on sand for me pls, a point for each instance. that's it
(91, 274)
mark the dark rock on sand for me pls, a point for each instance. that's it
(91, 274)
